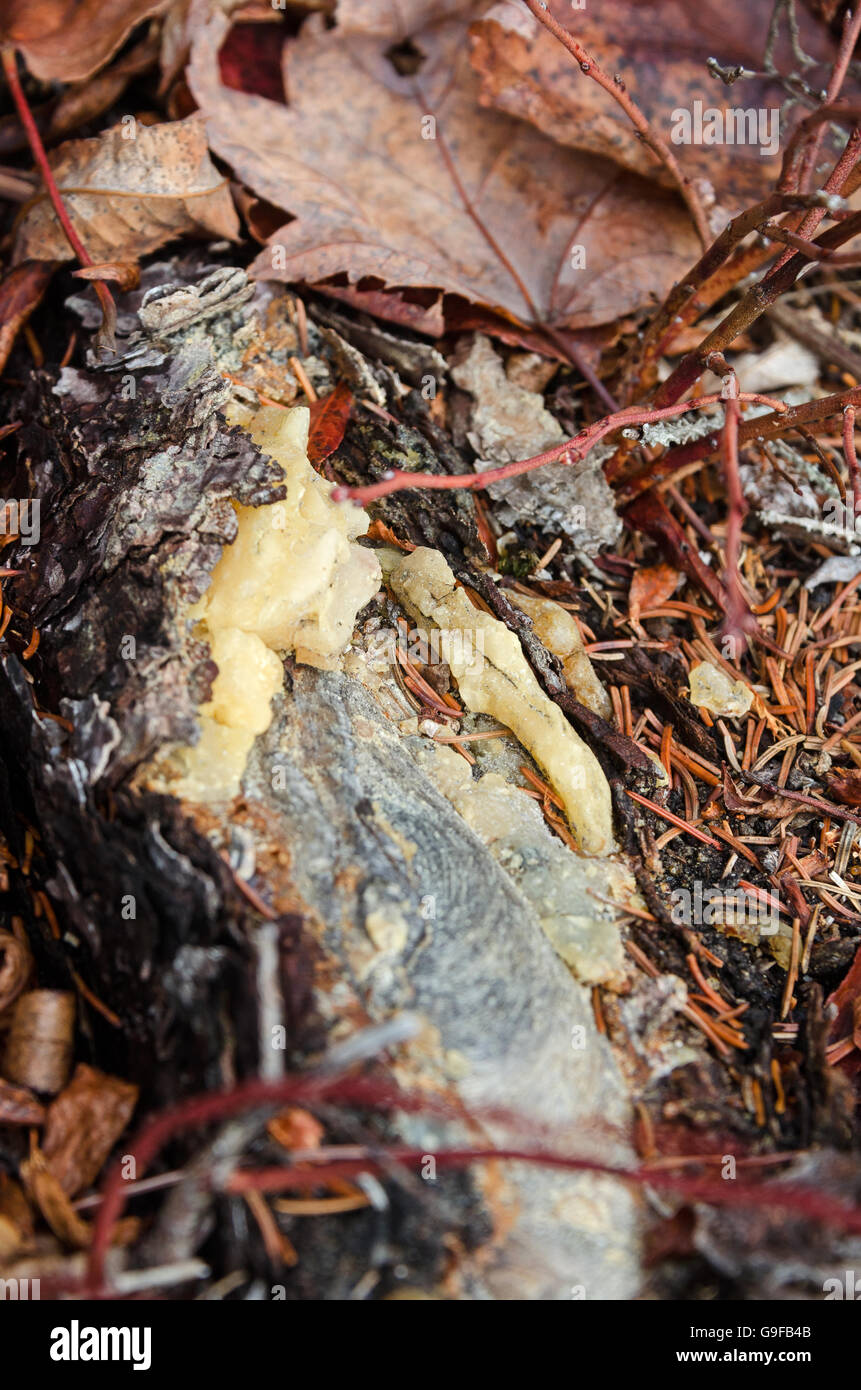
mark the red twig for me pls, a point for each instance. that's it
(852, 461)
(806, 1202)
(738, 619)
(10, 68)
(848, 40)
(575, 448)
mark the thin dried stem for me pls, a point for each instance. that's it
(572, 450)
(10, 68)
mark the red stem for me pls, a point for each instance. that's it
(10, 68)
(852, 461)
(577, 447)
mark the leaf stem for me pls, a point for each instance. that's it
(10, 68)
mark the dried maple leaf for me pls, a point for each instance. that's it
(67, 40)
(650, 588)
(660, 52)
(128, 197)
(83, 1124)
(420, 186)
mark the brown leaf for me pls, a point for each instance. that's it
(18, 1105)
(329, 418)
(20, 292)
(773, 808)
(844, 785)
(48, 1195)
(660, 53)
(650, 588)
(67, 40)
(128, 197)
(486, 208)
(84, 1123)
(16, 1218)
(82, 102)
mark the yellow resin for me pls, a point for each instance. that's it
(292, 581)
(557, 630)
(494, 678)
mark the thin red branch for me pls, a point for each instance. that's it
(848, 40)
(738, 618)
(852, 461)
(806, 1202)
(10, 68)
(572, 450)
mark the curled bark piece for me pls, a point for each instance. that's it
(15, 966)
(39, 1046)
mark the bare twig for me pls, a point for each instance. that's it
(572, 450)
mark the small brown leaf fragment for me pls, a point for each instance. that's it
(329, 418)
(296, 1128)
(20, 291)
(16, 1218)
(67, 40)
(18, 1105)
(773, 808)
(127, 198)
(844, 785)
(83, 1124)
(125, 274)
(48, 1195)
(650, 588)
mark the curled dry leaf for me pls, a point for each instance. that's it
(67, 40)
(772, 807)
(20, 292)
(125, 274)
(419, 186)
(84, 1123)
(660, 53)
(650, 588)
(127, 197)
(48, 1195)
(16, 1218)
